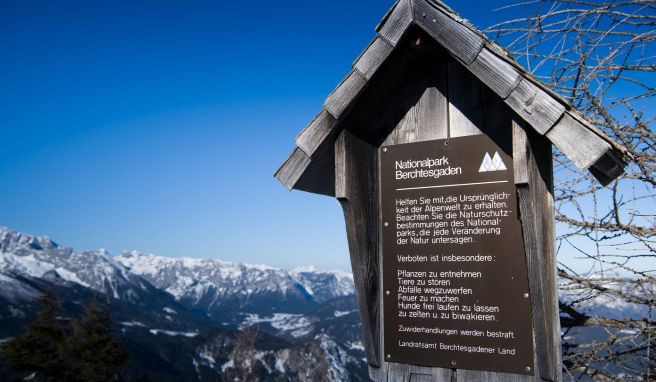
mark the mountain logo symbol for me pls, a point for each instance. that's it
(492, 163)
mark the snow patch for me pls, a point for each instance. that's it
(296, 325)
(340, 313)
(70, 276)
(132, 323)
(156, 332)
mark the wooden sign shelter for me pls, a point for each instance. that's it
(434, 120)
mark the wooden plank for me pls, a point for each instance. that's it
(535, 106)
(484, 376)
(406, 373)
(465, 101)
(422, 378)
(345, 93)
(396, 22)
(292, 169)
(580, 145)
(495, 72)
(427, 118)
(372, 57)
(316, 132)
(520, 154)
(378, 374)
(460, 41)
(356, 186)
(536, 210)
(610, 165)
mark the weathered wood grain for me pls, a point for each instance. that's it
(535, 106)
(582, 146)
(484, 376)
(310, 138)
(520, 154)
(461, 42)
(372, 57)
(396, 22)
(495, 72)
(427, 118)
(407, 373)
(537, 217)
(356, 188)
(344, 94)
(465, 102)
(379, 374)
(290, 171)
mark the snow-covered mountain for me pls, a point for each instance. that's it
(39, 257)
(179, 318)
(220, 287)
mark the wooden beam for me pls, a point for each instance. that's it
(370, 60)
(520, 154)
(536, 208)
(495, 72)
(345, 93)
(292, 170)
(356, 188)
(459, 40)
(396, 22)
(580, 145)
(535, 106)
(316, 132)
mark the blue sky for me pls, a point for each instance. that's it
(157, 125)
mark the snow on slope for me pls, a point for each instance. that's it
(40, 257)
(604, 304)
(201, 279)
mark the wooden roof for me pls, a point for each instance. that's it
(310, 167)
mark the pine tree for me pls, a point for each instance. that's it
(99, 356)
(39, 351)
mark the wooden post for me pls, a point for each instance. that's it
(356, 180)
(430, 75)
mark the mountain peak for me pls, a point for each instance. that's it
(11, 240)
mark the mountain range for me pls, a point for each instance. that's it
(180, 319)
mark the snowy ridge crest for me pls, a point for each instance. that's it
(40, 257)
(203, 283)
(201, 279)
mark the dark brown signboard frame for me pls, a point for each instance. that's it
(454, 268)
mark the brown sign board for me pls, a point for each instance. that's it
(454, 269)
